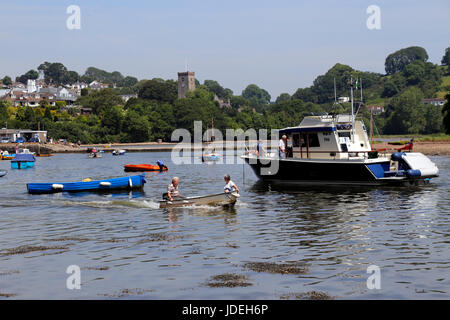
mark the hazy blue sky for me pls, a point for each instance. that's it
(279, 45)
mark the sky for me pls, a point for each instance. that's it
(278, 45)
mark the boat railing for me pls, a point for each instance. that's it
(366, 154)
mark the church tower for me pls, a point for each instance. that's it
(186, 82)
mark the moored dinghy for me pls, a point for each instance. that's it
(3, 173)
(23, 161)
(127, 183)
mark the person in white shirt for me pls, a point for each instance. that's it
(282, 147)
(230, 185)
(172, 189)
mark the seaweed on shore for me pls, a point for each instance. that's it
(26, 249)
(9, 272)
(127, 292)
(282, 268)
(310, 295)
(158, 237)
(229, 280)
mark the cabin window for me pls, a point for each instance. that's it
(313, 140)
(344, 134)
(296, 140)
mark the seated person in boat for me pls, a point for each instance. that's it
(172, 189)
(230, 185)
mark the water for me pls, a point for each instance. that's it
(126, 247)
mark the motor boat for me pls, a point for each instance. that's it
(334, 149)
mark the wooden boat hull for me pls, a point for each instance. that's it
(44, 155)
(127, 183)
(143, 167)
(8, 157)
(219, 199)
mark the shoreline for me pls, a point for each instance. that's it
(431, 148)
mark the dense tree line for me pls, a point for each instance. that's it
(157, 111)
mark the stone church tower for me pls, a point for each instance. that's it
(186, 82)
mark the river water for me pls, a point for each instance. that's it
(128, 248)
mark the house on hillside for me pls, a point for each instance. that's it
(97, 85)
(222, 103)
(435, 101)
(375, 109)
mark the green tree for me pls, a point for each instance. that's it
(100, 100)
(7, 81)
(31, 74)
(446, 58)
(256, 95)
(159, 90)
(406, 113)
(283, 97)
(71, 77)
(397, 61)
(446, 114)
(113, 120)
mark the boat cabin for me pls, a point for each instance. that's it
(327, 137)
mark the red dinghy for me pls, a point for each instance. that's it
(145, 167)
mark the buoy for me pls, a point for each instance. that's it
(86, 180)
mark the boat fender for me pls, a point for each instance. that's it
(130, 183)
(57, 186)
(105, 184)
(413, 173)
(397, 156)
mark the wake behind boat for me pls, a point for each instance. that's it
(219, 199)
(127, 183)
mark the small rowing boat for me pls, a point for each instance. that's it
(219, 199)
(3, 173)
(128, 183)
(119, 152)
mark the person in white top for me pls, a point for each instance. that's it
(282, 147)
(172, 189)
(230, 185)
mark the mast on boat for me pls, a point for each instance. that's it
(353, 115)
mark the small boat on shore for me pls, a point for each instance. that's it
(95, 154)
(219, 199)
(127, 183)
(23, 161)
(119, 152)
(160, 166)
(3, 173)
(7, 156)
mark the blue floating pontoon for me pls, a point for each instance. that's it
(128, 183)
